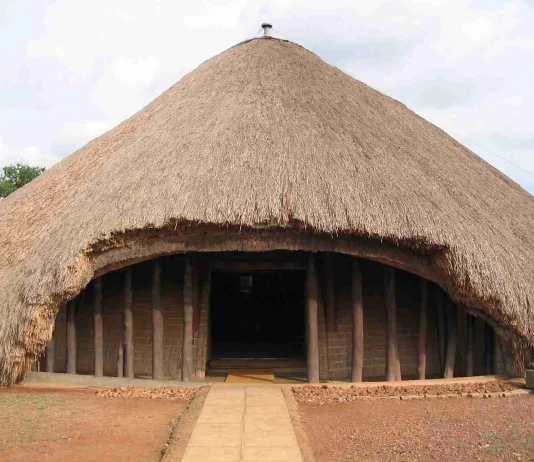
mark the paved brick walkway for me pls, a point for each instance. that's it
(243, 423)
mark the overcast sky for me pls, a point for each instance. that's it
(72, 69)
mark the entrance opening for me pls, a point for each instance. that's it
(258, 315)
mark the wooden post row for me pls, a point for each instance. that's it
(421, 363)
(71, 336)
(331, 321)
(187, 345)
(357, 322)
(392, 354)
(98, 329)
(157, 322)
(312, 329)
(128, 325)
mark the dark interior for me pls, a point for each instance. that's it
(257, 315)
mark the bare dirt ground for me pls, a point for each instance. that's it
(59, 424)
(443, 429)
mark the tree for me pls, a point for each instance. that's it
(13, 177)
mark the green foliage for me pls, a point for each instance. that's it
(15, 176)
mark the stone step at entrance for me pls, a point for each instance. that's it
(256, 376)
(277, 364)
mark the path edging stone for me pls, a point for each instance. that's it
(183, 427)
(296, 419)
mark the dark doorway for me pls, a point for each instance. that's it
(257, 315)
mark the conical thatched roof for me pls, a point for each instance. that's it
(264, 137)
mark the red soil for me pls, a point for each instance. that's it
(75, 424)
(447, 429)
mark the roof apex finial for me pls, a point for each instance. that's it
(267, 29)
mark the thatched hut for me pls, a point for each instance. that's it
(268, 207)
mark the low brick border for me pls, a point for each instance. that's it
(501, 394)
(422, 383)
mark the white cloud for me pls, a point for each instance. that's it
(139, 71)
(478, 29)
(30, 155)
(86, 130)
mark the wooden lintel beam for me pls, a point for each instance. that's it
(239, 266)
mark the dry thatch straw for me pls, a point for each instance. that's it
(265, 146)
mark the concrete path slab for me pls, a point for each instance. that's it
(217, 453)
(244, 423)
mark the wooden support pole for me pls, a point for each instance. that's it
(98, 329)
(120, 352)
(452, 326)
(357, 322)
(331, 321)
(442, 333)
(311, 316)
(488, 349)
(195, 281)
(50, 353)
(187, 345)
(421, 364)
(71, 337)
(392, 352)
(157, 322)
(469, 344)
(498, 360)
(128, 325)
(203, 334)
